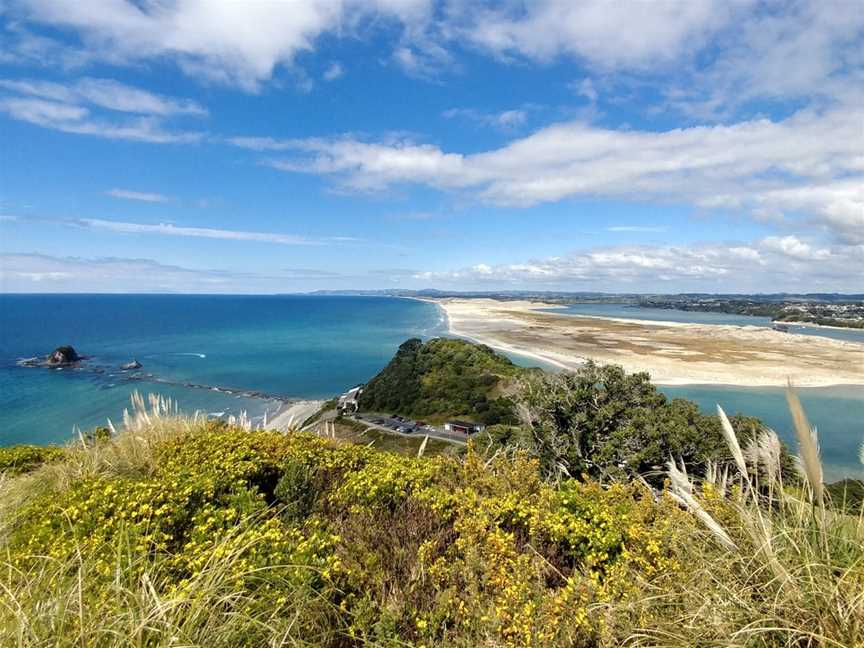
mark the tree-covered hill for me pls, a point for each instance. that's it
(444, 378)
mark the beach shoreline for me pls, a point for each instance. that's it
(291, 416)
(820, 326)
(674, 353)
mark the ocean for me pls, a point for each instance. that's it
(226, 354)
(283, 346)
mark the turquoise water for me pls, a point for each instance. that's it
(836, 412)
(284, 346)
(268, 347)
(629, 311)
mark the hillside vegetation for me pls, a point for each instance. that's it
(187, 532)
(602, 422)
(444, 378)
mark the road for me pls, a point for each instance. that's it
(390, 424)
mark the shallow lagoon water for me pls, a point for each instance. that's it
(837, 413)
(630, 311)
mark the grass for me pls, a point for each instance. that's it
(792, 569)
(179, 532)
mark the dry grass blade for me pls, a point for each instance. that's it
(682, 491)
(732, 441)
(422, 447)
(808, 445)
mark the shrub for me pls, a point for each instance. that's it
(246, 538)
(219, 536)
(19, 459)
(604, 423)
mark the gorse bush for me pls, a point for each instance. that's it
(179, 531)
(235, 538)
(20, 459)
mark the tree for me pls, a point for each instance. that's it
(605, 423)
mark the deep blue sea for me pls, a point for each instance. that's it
(278, 346)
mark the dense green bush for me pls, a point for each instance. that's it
(444, 378)
(605, 423)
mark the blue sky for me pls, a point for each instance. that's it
(291, 146)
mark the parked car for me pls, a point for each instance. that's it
(405, 429)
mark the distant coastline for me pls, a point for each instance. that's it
(821, 326)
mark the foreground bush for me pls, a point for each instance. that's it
(19, 459)
(217, 536)
(196, 533)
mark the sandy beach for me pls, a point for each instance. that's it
(293, 415)
(673, 353)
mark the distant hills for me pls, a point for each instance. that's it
(552, 295)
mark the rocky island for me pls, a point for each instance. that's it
(62, 356)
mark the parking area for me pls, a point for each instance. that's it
(400, 425)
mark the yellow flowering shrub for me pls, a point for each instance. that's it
(19, 459)
(429, 551)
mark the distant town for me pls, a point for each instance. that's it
(846, 314)
(824, 309)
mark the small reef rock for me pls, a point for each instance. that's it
(128, 366)
(63, 356)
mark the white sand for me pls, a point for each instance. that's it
(292, 416)
(672, 352)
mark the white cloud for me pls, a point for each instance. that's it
(78, 120)
(231, 42)
(718, 54)
(809, 163)
(264, 143)
(142, 196)
(334, 71)
(609, 34)
(506, 119)
(802, 48)
(781, 263)
(636, 228)
(585, 88)
(42, 273)
(70, 108)
(793, 247)
(838, 206)
(105, 93)
(50, 274)
(167, 229)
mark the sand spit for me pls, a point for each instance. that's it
(672, 352)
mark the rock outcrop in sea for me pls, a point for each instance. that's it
(62, 356)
